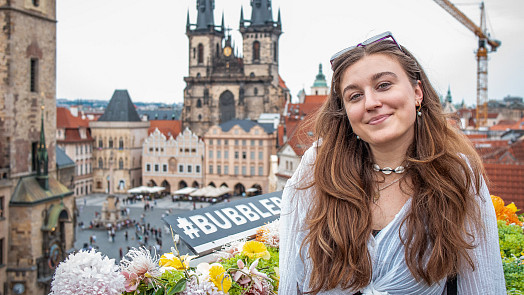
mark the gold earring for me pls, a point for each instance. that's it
(419, 107)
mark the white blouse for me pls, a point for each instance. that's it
(390, 274)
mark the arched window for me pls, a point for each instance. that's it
(199, 117)
(255, 91)
(217, 50)
(110, 142)
(120, 164)
(121, 143)
(100, 143)
(200, 53)
(256, 51)
(275, 51)
(199, 103)
(100, 163)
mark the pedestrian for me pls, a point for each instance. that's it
(126, 235)
(351, 224)
(121, 253)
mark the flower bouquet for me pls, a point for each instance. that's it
(511, 240)
(241, 267)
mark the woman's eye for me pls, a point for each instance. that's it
(384, 85)
(354, 97)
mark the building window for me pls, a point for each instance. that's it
(2, 247)
(34, 75)
(256, 51)
(243, 170)
(236, 170)
(219, 142)
(197, 168)
(211, 154)
(275, 51)
(121, 143)
(291, 166)
(76, 150)
(199, 103)
(252, 170)
(100, 143)
(260, 155)
(211, 141)
(226, 142)
(252, 140)
(156, 167)
(244, 155)
(181, 168)
(164, 167)
(255, 91)
(100, 164)
(148, 167)
(121, 164)
(200, 53)
(226, 169)
(219, 154)
(261, 171)
(210, 169)
(219, 169)
(252, 155)
(226, 154)
(261, 142)
(244, 142)
(189, 168)
(110, 142)
(236, 155)
(236, 141)
(2, 207)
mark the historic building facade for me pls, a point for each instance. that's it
(73, 136)
(119, 135)
(36, 211)
(222, 85)
(238, 155)
(173, 163)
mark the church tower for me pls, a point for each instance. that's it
(222, 85)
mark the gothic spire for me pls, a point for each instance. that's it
(279, 19)
(42, 157)
(261, 13)
(205, 18)
(188, 22)
(241, 16)
(223, 24)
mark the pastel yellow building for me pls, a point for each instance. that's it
(238, 155)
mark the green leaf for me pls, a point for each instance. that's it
(179, 287)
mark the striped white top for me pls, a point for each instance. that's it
(390, 274)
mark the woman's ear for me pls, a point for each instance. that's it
(419, 95)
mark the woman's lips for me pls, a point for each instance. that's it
(378, 119)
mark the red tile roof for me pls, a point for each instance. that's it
(281, 82)
(315, 99)
(167, 127)
(64, 119)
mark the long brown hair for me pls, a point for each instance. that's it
(444, 171)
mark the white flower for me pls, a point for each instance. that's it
(137, 265)
(87, 273)
(230, 250)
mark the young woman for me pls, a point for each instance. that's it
(391, 198)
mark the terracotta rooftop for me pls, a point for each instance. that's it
(281, 82)
(64, 119)
(315, 99)
(167, 127)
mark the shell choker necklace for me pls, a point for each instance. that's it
(389, 170)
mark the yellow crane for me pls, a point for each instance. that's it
(482, 55)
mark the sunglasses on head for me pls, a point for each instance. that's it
(371, 40)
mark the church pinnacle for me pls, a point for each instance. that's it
(42, 158)
(320, 80)
(205, 18)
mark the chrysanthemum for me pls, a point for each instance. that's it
(87, 272)
(254, 249)
(139, 262)
(169, 260)
(219, 277)
(269, 234)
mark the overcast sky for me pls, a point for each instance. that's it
(141, 46)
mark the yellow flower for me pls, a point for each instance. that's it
(254, 250)
(506, 213)
(170, 260)
(216, 275)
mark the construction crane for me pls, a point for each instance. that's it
(482, 55)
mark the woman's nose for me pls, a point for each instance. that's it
(371, 100)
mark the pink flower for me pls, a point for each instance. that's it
(244, 275)
(132, 281)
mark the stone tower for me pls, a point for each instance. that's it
(222, 85)
(36, 211)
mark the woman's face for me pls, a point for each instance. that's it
(380, 101)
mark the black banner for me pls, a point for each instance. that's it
(209, 228)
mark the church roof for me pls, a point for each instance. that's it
(120, 109)
(320, 80)
(247, 125)
(28, 191)
(62, 159)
